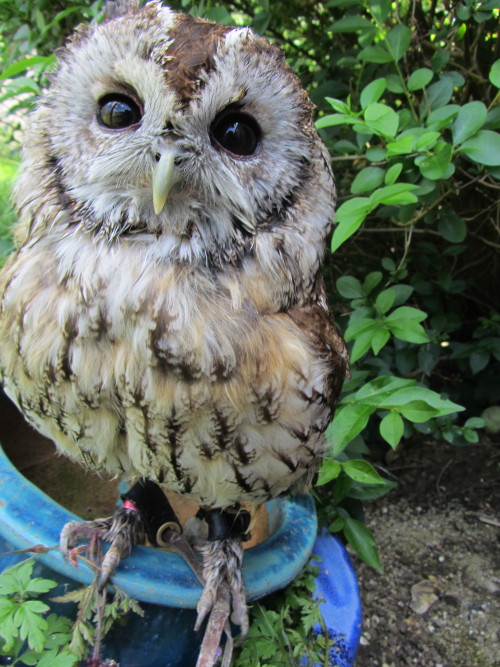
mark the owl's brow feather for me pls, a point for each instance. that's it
(193, 48)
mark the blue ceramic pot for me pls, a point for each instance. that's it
(166, 587)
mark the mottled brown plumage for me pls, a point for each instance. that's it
(163, 314)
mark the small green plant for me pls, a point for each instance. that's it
(282, 628)
(30, 635)
(95, 616)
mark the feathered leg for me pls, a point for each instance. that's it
(222, 556)
(123, 530)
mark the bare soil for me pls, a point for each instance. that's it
(437, 601)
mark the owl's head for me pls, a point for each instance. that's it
(158, 125)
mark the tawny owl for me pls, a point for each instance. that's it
(163, 315)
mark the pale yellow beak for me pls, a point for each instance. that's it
(163, 178)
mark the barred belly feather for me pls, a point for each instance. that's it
(169, 374)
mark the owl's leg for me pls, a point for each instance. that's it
(146, 512)
(123, 530)
(224, 589)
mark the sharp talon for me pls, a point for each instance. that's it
(124, 529)
(221, 569)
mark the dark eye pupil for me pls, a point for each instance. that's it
(237, 133)
(117, 112)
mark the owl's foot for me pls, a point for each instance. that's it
(224, 594)
(123, 530)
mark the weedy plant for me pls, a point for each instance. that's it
(29, 635)
(284, 628)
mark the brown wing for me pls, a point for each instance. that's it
(314, 321)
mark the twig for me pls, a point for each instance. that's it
(443, 470)
(486, 519)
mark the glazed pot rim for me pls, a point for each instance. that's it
(28, 517)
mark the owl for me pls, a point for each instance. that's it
(163, 316)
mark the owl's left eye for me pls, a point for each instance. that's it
(236, 132)
(118, 112)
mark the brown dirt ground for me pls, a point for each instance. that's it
(438, 534)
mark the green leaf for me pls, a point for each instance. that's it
(370, 491)
(349, 287)
(329, 470)
(418, 411)
(398, 40)
(342, 3)
(372, 92)
(382, 119)
(336, 526)
(494, 75)
(380, 9)
(391, 428)
(359, 326)
(25, 64)
(470, 119)
(379, 339)
(375, 154)
(407, 397)
(470, 435)
(401, 146)
(38, 585)
(371, 281)
(375, 54)
(385, 300)
(361, 540)
(363, 342)
(352, 23)
(331, 120)
(394, 84)
(55, 659)
(397, 193)
(436, 166)
(427, 140)
(7, 607)
(32, 626)
(377, 391)
(439, 60)
(367, 180)
(440, 93)
(474, 422)
(348, 422)
(338, 105)
(406, 313)
(349, 217)
(403, 293)
(442, 117)
(393, 173)
(452, 228)
(361, 471)
(484, 148)
(478, 360)
(410, 331)
(420, 78)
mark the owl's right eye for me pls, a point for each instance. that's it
(118, 112)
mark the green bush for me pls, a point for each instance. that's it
(408, 104)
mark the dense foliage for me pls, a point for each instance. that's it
(408, 104)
